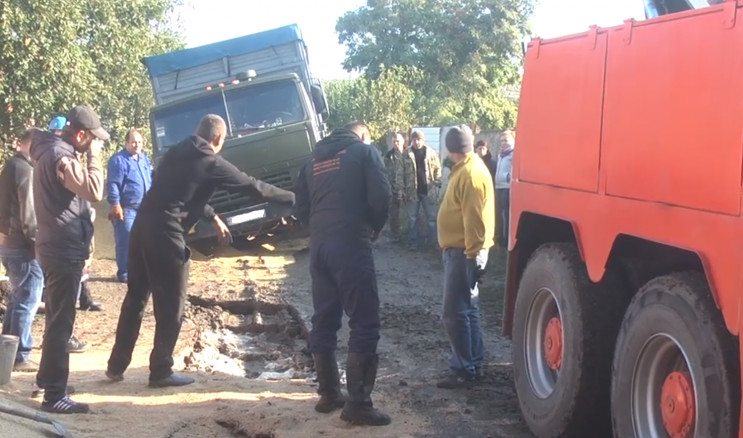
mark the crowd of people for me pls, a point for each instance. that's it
(414, 171)
(345, 194)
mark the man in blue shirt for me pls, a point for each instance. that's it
(129, 178)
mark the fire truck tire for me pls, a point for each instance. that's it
(564, 330)
(676, 370)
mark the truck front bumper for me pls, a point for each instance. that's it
(243, 223)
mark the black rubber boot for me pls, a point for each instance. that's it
(361, 373)
(329, 381)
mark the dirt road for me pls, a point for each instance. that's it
(244, 341)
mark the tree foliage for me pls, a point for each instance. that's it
(55, 54)
(384, 103)
(468, 53)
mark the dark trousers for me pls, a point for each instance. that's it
(158, 265)
(62, 279)
(343, 278)
(502, 203)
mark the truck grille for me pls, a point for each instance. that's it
(224, 202)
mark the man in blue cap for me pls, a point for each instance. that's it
(57, 125)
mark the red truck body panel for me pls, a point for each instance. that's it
(643, 137)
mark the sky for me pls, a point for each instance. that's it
(208, 21)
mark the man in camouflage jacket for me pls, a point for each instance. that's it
(394, 162)
(421, 173)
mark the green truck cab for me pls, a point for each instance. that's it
(260, 84)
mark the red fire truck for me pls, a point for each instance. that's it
(625, 270)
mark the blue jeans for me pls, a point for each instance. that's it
(121, 237)
(415, 205)
(27, 281)
(461, 314)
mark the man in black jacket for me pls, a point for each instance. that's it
(63, 190)
(17, 239)
(158, 261)
(344, 194)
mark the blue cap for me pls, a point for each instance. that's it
(58, 123)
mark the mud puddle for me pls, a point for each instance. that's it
(248, 338)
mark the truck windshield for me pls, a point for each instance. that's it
(251, 108)
(263, 106)
(174, 123)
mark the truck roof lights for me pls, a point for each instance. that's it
(246, 75)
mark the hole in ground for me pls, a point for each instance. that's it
(250, 338)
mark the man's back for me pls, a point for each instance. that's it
(17, 221)
(186, 178)
(343, 191)
(182, 170)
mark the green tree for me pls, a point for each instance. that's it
(384, 103)
(55, 54)
(468, 53)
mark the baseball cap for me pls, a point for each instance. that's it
(83, 116)
(57, 123)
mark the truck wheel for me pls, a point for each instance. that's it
(676, 372)
(563, 336)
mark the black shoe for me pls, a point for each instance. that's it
(114, 376)
(26, 366)
(75, 345)
(171, 380)
(65, 405)
(328, 379)
(454, 381)
(93, 306)
(361, 373)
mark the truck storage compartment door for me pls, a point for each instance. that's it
(672, 119)
(559, 128)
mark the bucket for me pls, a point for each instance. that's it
(8, 349)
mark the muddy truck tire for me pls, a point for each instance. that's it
(676, 371)
(565, 328)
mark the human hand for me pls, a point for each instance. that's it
(116, 213)
(374, 236)
(223, 233)
(476, 267)
(96, 146)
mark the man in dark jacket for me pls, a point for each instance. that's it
(63, 189)
(158, 262)
(17, 238)
(343, 193)
(482, 151)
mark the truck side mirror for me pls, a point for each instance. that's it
(319, 100)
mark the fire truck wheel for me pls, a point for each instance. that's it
(676, 372)
(563, 336)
